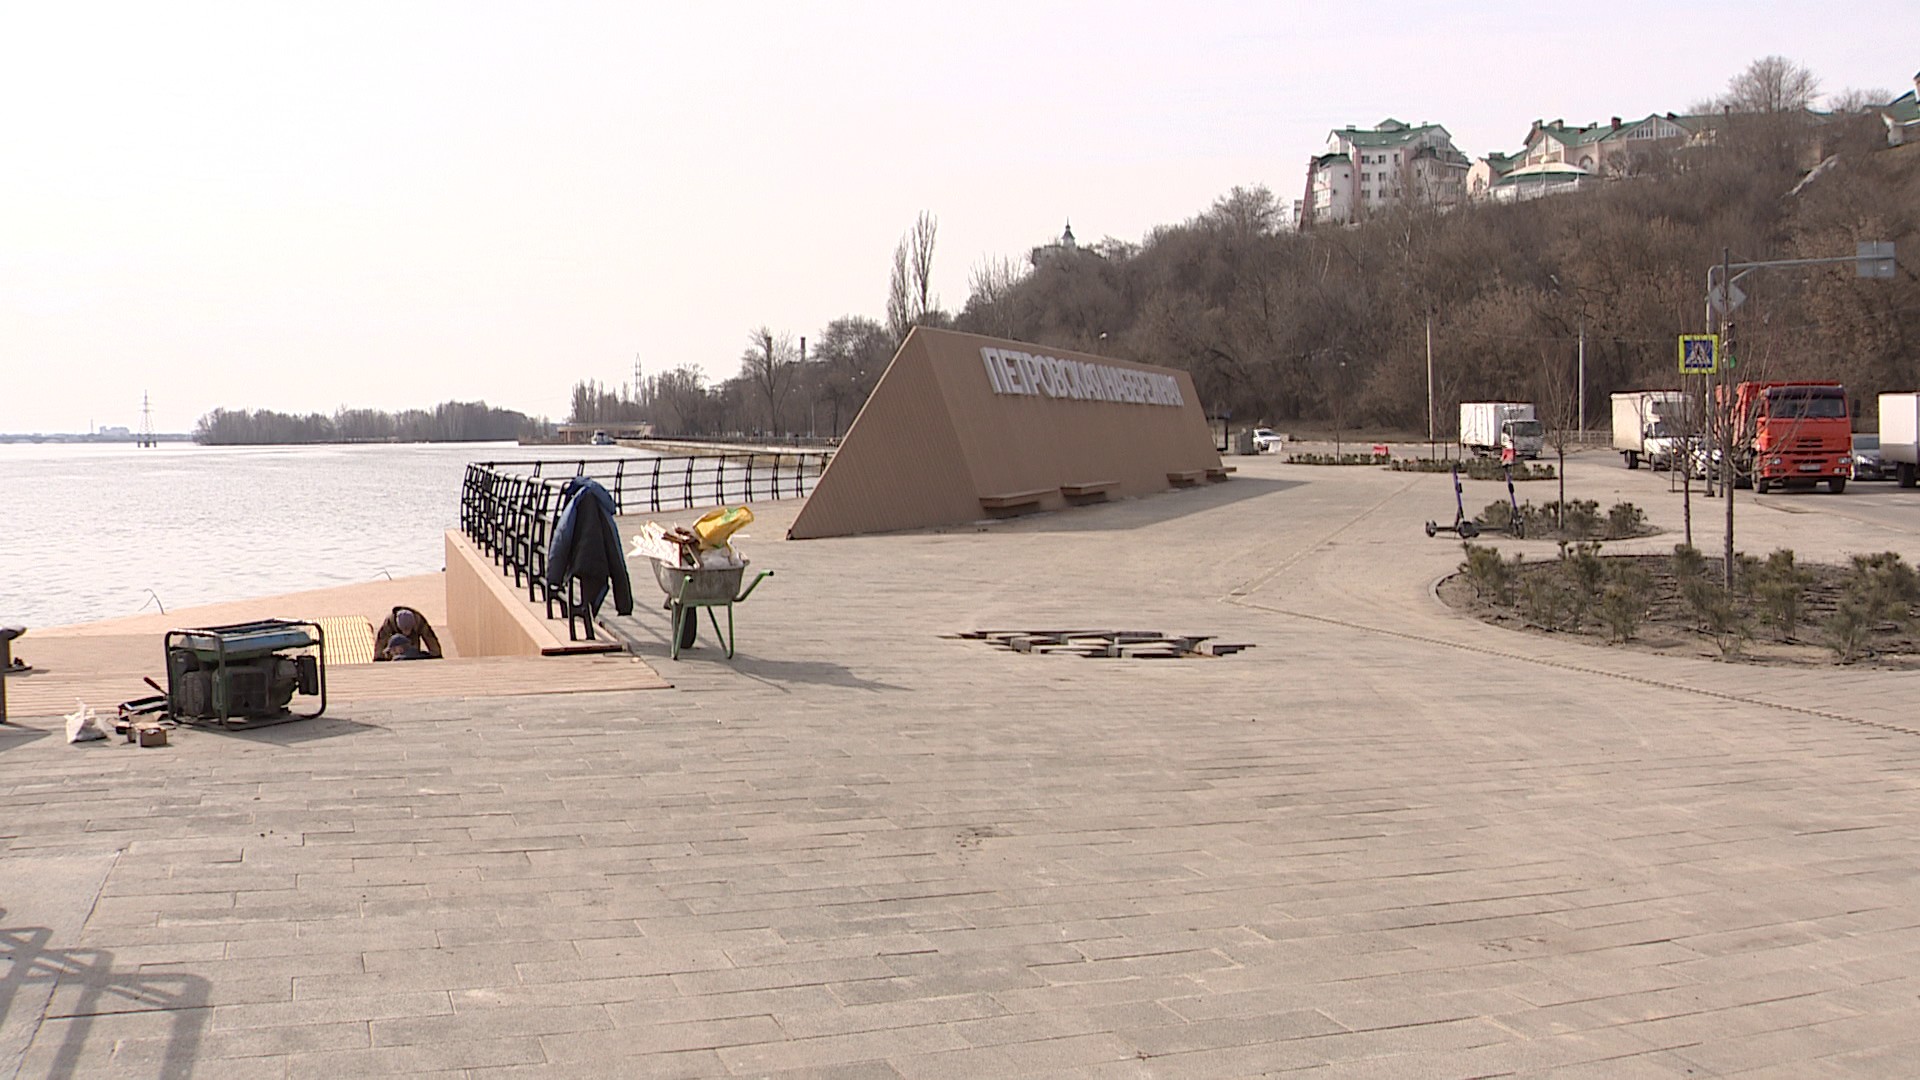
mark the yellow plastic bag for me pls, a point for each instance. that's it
(717, 525)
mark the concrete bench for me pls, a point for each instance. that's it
(1096, 489)
(1013, 500)
(1222, 473)
(1186, 477)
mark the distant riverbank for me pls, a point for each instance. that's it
(93, 440)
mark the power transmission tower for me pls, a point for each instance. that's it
(146, 420)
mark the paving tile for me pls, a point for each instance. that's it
(480, 1024)
(331, 1010)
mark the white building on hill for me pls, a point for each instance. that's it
(1902, 116)
(1558, 157)
(1362, 170)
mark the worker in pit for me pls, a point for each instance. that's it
(405, 635)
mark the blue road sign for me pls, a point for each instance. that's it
(1699, 354)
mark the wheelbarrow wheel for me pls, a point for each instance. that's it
(688, 623)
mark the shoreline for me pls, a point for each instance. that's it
(425, 593)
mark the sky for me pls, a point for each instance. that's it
(388, 205)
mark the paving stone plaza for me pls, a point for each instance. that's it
(1386, 841)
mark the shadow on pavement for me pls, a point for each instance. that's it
(646, 638)
(1150, 510)
(289, 732)
(811, 672)
(13, 733)
(30, 973)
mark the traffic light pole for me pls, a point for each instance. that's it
(1870, 259)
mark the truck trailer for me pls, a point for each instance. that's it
(1493, 427)
(1900, 436)
(1651, 426)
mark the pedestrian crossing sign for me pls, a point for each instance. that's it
(1699, 354)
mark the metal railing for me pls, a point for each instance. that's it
(509, 509)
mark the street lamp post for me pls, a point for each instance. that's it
(1339, 410)
(1580, 382)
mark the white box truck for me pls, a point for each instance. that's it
(1900, 435)
(1649, 426)
(1492, 427)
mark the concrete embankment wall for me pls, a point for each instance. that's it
(484, 614)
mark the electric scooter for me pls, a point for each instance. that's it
(1516, 525)
(1461, 527)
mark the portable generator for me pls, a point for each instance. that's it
(246, 671)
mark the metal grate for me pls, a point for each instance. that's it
(1106, 644)
(349, 639)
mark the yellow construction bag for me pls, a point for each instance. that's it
(714, 528)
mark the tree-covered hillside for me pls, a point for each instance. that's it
(1283, 325)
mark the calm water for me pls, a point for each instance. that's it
(86, 531)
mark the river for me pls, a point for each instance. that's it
(92, 531)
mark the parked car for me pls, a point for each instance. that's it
(1267, 440)
(1699, 457)
(1866, 459)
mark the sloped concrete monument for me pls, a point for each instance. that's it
(962, 427)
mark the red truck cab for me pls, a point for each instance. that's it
(1793, 434)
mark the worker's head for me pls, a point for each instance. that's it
(398, 644)
(406, 621)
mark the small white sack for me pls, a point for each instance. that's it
(720, 558)
(83, 724)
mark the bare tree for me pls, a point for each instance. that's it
(910, 299)
(1559, 412)
(920, 264)
(1245, 212)
(899, 302)
(770, 365)
(681, 395)
(1854, 100)
(991, 283)
(1771, 84)
(853, 351)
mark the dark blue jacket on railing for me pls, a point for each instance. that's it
(586, 547)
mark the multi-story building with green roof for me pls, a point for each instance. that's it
(1902, 116)
(1559, 158)
(1362, 170)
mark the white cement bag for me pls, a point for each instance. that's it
(83, 724)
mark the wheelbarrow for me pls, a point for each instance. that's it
(690, 588)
